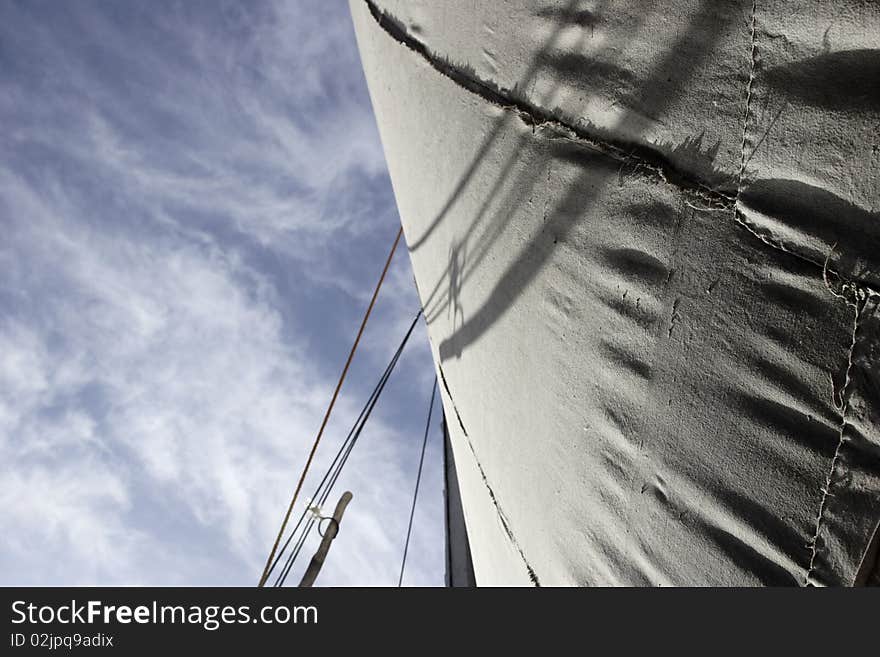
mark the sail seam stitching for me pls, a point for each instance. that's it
(639, 155)
(748, 107)
(826, 489)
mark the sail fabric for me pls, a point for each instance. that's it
(646, 239)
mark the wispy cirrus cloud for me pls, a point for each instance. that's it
(194, 204)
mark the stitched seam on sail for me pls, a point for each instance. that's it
(826, 489)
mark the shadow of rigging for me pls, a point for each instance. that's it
(664, 83)
(525, 180)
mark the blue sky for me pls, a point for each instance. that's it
(194, 207)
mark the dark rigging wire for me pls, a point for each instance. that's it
(418, 480)
(317, 492)
(302, 477)
(318, 497)
(323, 491)
(338, 462)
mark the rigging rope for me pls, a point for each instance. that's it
(330, 477)
(344, 452)
(418, 480)
(318, 492)
(302, 477)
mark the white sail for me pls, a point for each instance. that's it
(647, 242)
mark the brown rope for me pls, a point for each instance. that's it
(302, 477)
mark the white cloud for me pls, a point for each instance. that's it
(169, 226)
